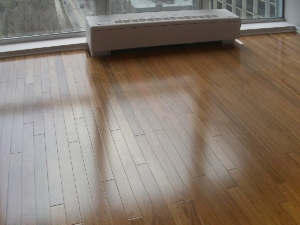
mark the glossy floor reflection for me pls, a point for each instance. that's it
(193, 135)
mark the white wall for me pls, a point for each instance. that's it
(292, 12)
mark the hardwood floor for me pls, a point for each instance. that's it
(193, 135)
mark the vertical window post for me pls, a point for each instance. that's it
(215, 4)
(101, 7)
(234, 6)
(267, 8)
(223, 4)
(244, 9)
(279, 8)
(255, 9)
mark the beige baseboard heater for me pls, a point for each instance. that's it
(135, 30)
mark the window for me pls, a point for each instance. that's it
(250, 5)
(246, 9)
(33, 18)
(38, 17)
(252, 9)
(139, 6)
(219, 5)
(229, 7)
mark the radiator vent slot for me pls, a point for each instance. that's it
(138, 20)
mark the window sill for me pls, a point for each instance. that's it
(75, 43)
(267, 28)
(37, 47)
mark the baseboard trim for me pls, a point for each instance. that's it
(45, 46)
(267, 28)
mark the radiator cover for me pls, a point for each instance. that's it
(123, 31)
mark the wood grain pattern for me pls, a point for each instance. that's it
(136, 184)
(1, 66)
(37, 65)
(92, 120)
(5, 145)
(116, 207)
(28, 103)
(29, 70)
(17, 134)
(292, 210)
(156, 197)
(69, 119)
(5, 70)
(52, 68)
(3, 89)
(158, 173)
(182, 150)
(125, 191)
(83, 191)
(129, 114)
(107, 110)
(21, 67)
(11, 88)
(14, 208)
(93, 175)
(58, 215)
(190, 213)
(55, 188)
(77, 110)
(125, 125)
(61, 76)
(45, 74)
(168, 166)
(42, 202)
(143, 121)
(28, 185)
(191, 135)
(270, 210)
(38, 118)
(67, 176)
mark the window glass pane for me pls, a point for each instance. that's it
(37, 17)
(251, 9)
(246, 9)
(138, 6)
(43, 17)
